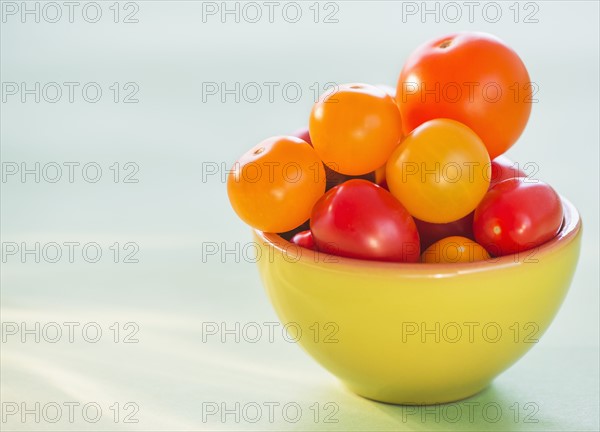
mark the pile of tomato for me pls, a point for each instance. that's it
(411, 174)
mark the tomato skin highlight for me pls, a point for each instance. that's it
(359, 219)
(388, 89)
(274, 185)
(304, 239)
(503, 168)
(471, 77)
(517, 215)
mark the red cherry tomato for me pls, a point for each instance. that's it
(359, 219)
(516, 215)
(289, 235)
(303, 134)
(470, 77)
(503, 168)
(429, 233)
(304, 239)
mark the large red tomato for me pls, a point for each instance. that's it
(473, 78)
(515, 216)
(359, 219)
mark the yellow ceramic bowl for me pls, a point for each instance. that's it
(418, 333)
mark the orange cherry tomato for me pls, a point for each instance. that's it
(470, 77)
(274, 186)
(355, 129)
(440, 172)
(453, 250)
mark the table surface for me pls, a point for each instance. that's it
(150, 368)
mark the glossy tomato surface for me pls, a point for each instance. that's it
(274, 185)
(454, 249)
(359, 219)
(517, 215)
(503, 168)
(473, 78)
(440, 172)
(388, 89)
(355, 128)
(303, 134)
(304, 239)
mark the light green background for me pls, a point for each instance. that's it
(171, 212)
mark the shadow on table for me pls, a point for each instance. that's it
(491, 409)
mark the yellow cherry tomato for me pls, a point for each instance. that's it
(355, 128)
(274, 186)
(453, 250)
(440, 172)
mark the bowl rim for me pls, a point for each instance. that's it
(568, 231)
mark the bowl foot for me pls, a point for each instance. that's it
(404, 397)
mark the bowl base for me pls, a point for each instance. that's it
(404, 398)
